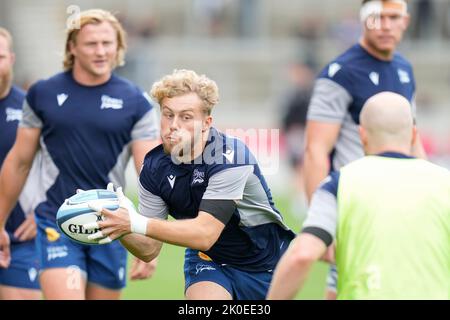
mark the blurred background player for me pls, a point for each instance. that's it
(367, 68)
(213, 186)
(294, 124)
(19, 274)
(389, 213)
(87, 122)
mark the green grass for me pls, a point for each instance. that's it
(168, 281)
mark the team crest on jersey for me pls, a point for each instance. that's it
(111, 103)
(13, 114)
(198, 177)
(404, 76)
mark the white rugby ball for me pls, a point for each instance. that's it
(75, 212)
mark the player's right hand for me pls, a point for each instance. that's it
(5, 254)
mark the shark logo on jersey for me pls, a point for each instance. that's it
(62, 97)
(111, 103)
(333, 69)
(13, 114)
(375, 78)
(403, 76)
(198, 177)
(229, 154)
(171, 179)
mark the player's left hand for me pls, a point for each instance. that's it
(119, 223)
(27, 230)
(115, 224)
(141, 270)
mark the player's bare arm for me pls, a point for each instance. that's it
(199, 233)
(143, 248)
(294, 266)
(15, 169)
(320, 140)
(13, 175)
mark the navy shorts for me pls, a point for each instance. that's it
(242, 285)
(103, 265)
(23, 271)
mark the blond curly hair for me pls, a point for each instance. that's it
(95, 16)
(181, 82)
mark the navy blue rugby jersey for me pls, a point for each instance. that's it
(255, 236)
(344, 86)
(10, 115)
(86, 133)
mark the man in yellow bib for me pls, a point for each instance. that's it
(388, 212)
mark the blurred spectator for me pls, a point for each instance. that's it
(248, 11)
(309, 32)
(423, 20)
(294, 122)
(446, 24)
(347, 30)
(211, 13)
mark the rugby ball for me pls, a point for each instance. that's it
(75, 212)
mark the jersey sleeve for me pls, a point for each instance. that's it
(331, 96)
(323, 214)
(30, 117)
(228, 184)
(147, 125)
(151, 204)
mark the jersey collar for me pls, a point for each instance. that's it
(397, 155)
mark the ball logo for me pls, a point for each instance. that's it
(78, 228)
(76, 212)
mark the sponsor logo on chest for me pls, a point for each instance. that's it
(13, 114)
(403, 76)
(111, 103)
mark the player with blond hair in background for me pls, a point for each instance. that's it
(87, 122)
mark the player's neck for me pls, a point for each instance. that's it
(381, 55)
(86, 78)
(5, 88)
(374, 150)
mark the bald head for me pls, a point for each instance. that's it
(387, 124)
